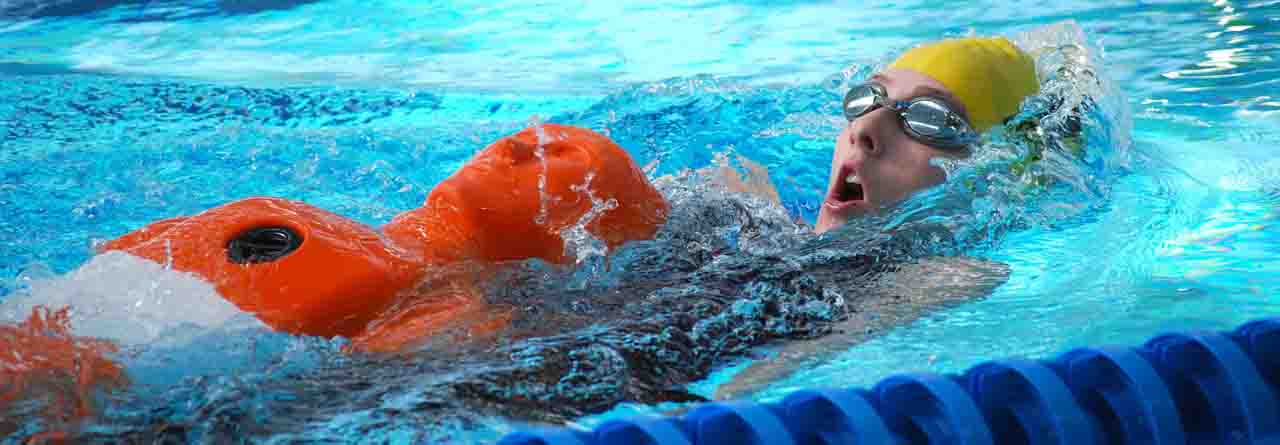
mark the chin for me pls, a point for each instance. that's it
(827, 221)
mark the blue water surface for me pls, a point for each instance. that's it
(114, 114)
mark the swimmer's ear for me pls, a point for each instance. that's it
(893, 299)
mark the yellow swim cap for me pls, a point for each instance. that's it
(989, 74)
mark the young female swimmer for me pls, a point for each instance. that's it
(303, 270)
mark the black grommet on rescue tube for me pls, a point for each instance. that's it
(263, 245)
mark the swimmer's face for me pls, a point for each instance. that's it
(888, 164)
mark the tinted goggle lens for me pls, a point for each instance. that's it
(930, 118)
(925, 118)
(859, 100)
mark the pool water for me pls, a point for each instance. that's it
(114, 114)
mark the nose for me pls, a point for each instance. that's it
(866, 133)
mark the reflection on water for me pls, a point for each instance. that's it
(1234, 74)
(1176, 233)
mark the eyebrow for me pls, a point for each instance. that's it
(925, 90)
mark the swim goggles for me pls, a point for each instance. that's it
(926, 119)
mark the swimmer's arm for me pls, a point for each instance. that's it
(897, 298)
(756, 181)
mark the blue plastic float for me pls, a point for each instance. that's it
(1179, 388)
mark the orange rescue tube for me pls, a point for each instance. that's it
(337, 280)
(303, 270)
(512, 200)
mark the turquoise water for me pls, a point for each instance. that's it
(119, 113)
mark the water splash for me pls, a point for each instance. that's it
(579, 243)
(140, 330)
(540, 151)
(43, 361)
(1053, 162)
(705, 225)
(129, 300)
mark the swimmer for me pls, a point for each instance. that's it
(276, 258)
(933, 101)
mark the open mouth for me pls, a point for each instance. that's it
(847, 190)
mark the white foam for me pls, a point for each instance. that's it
(579, 243)
(540, 151)
(130, 300)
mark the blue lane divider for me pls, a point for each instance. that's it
(642, 430)
(831, 416)
(1027, 400)
(1216, 386)
(929, 408)
(1129, 402)
(1178, 388)
(737, 423)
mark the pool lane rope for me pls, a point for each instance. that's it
(1179, 388)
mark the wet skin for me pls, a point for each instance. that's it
(888, 164)
(673, 322)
